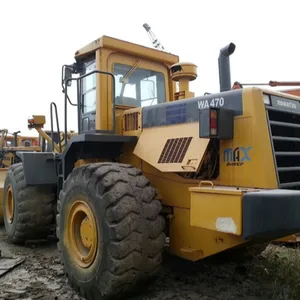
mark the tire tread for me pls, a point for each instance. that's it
(132, 214)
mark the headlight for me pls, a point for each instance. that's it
(266, 99)
(30, 120)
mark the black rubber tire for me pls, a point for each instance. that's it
(131, 228)
(33, 208)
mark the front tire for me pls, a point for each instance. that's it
(111, 233)
(27, 210)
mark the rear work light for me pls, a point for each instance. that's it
(216, 123)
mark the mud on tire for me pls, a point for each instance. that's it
(32, 210)
(130, 229)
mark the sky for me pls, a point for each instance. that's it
(38, 37)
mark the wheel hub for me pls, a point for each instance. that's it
(9, 205)
(82, 233)
(86, 233)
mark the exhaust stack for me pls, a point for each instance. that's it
(224, 67)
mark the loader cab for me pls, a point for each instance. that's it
(140, 78)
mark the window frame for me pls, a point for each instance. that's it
(138, 85)
(120, 58)
(85, 65)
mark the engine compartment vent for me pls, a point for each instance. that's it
(174, 150)
(131, 121)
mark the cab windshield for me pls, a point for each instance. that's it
(138, 87)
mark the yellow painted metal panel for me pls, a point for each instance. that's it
(117, 45)
(217, 210)
(151, 151)
(251, 134)
(194, 243)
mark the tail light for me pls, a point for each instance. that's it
(213, 122)
(216, 123)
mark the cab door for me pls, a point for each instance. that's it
(87, 96)
(138, 82)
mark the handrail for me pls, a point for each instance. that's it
(57, 125)
(81, 77)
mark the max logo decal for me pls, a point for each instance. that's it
(236, 156)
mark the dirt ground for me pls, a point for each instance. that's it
(41, 277)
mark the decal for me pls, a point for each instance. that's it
(288, 104)
(285, 103)
(237, 156)
(214, 102)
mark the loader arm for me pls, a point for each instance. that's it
(3, 136)
(45, 136)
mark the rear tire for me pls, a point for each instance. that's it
(27, 210)
(129, 230)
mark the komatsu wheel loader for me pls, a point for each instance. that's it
(211, 173)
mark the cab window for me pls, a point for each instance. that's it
(138, 87)
(89, 88)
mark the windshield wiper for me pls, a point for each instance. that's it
(123, 80)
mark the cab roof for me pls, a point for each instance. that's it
(128, 48)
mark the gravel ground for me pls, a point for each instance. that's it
(41, 277)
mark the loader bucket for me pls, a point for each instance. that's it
(2, 178)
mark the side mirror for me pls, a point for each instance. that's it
(68, 75)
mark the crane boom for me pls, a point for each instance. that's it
(270, 83)
(154, 40)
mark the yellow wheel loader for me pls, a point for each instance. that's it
(9, 145)
(12, 144)
(212, 173)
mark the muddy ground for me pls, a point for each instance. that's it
(41, 277)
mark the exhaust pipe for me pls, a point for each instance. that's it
(224, 67)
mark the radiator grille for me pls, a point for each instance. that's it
(285, 137)
(174, 150)
(131, 121)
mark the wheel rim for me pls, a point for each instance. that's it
(82, 233)
(9, 205)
